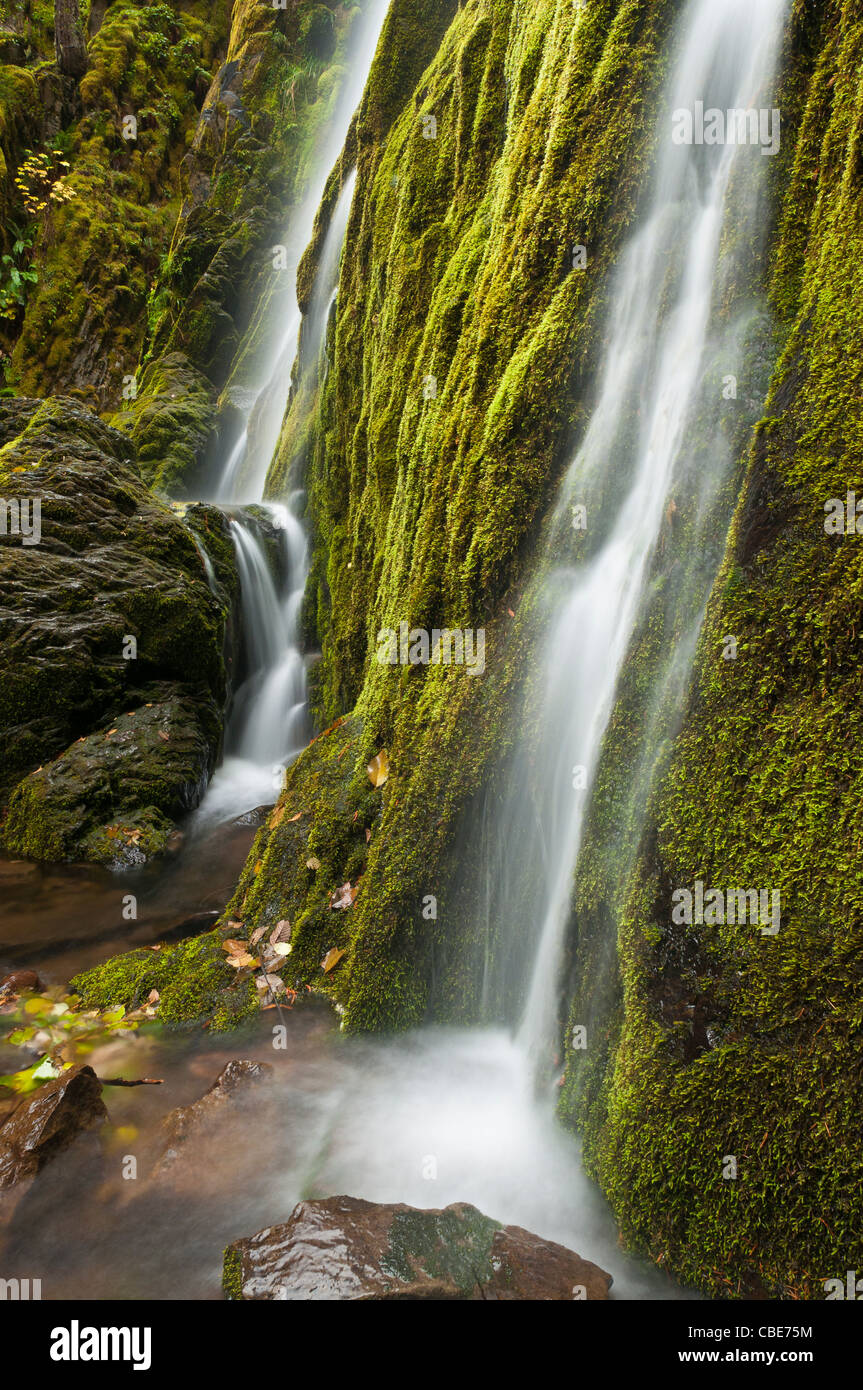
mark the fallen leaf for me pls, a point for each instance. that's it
(256, 935)
(283, 948)
(241, 962)
(235, 948)
(344, 897)
(110, 732)
(379, 768)
(281, 932)
(164, 736)
(368, 836)
(331, 959)
(153, 997)
(313, 864)
(277, 817)
(296, 817)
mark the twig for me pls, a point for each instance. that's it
(120, 1081)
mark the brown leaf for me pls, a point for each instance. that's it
(242, 961)
(379, 768)
(296, 817)
(235, 948)
(256, 935)
(344, 897)
(165, 737)
(277, 817)
(313, 864)
(331, 959)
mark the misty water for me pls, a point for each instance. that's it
(439, 1115)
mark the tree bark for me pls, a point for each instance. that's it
(69, 45)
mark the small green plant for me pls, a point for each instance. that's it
(16, 277)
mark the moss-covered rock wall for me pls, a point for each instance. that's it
(710, 1043)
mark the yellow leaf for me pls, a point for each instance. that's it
(379, 768)
(331, 959)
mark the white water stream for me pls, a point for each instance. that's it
(268, 727)
(657, 343)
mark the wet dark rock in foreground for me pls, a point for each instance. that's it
(43, 1125)
(344, 1248)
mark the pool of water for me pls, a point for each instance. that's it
(427, 1118)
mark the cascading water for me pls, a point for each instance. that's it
(267, 728)
(267, 725)
(658, 342)
(243, 474)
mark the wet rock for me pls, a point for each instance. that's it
(526, 1267)
(347, 1248)
(19, 981)
(112, 671)
(230, 1086)
(44, 1124)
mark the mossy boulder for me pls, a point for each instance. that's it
(194, 982)
(114, 796)
(112, 641)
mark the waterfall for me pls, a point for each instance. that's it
(268, 726)
(243, 474)
(661, 334)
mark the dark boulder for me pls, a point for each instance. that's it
(112, 641)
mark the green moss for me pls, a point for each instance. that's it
(457, 264)
(97, 253)
(232, 1274)
(719, 1041)
(192, 979)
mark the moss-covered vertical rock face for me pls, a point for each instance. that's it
(722, 1041)
(459, 365)
(112, 643)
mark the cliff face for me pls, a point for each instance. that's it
(501, 150)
